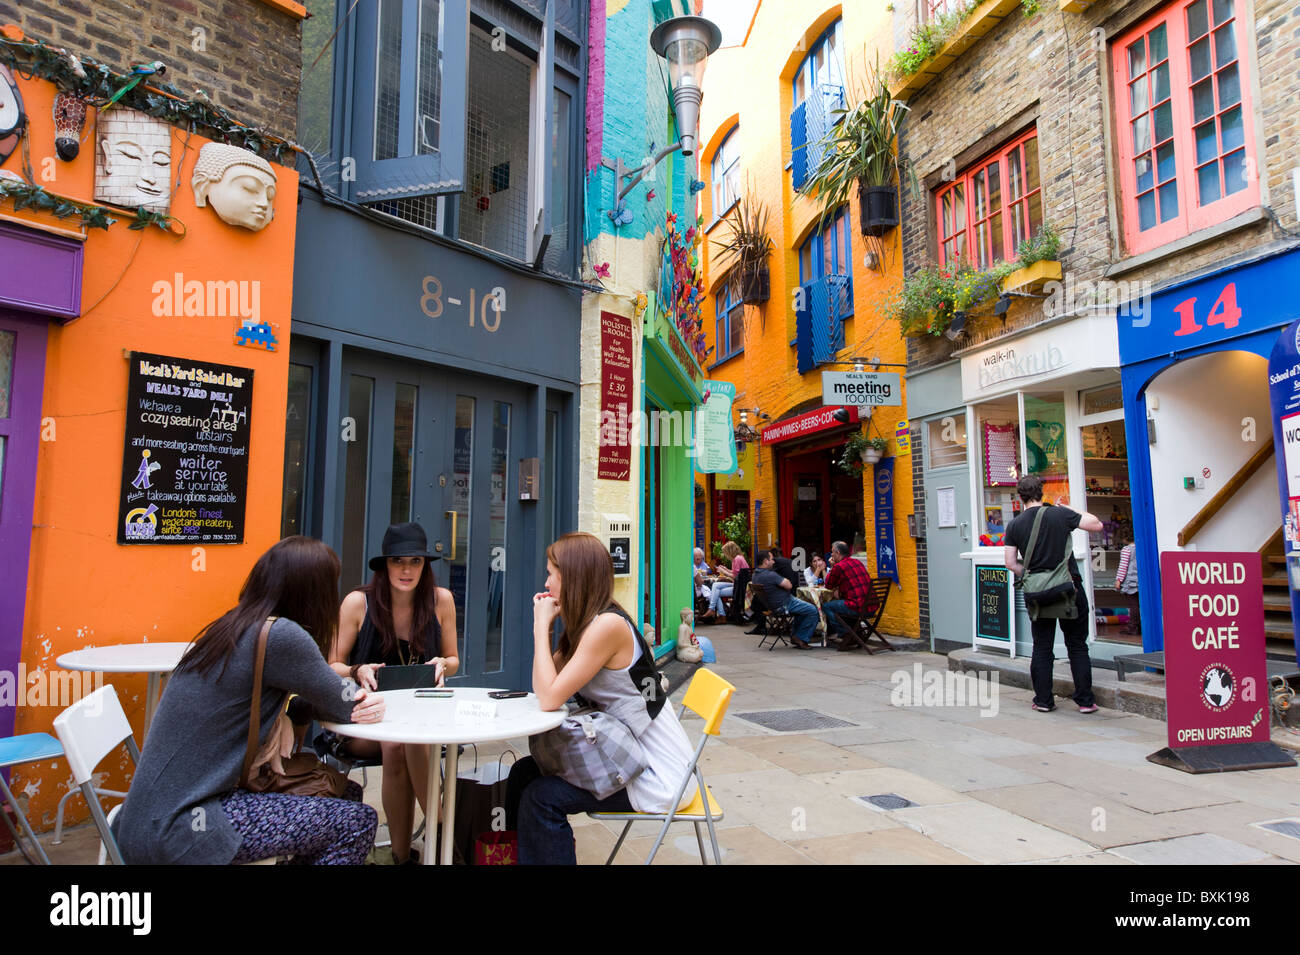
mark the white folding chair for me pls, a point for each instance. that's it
(89, 730)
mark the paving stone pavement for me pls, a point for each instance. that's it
(1015, 787)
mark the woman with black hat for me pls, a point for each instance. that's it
(401, 617)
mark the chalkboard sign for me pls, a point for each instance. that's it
(994, 604)
(185, 467)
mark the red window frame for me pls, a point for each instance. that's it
(937, 8)
(1208, 125)
(987, 211)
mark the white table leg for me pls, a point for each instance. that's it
(151, 703)
(449, 804)
(431, 797)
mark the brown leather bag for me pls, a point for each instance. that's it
(301, 774)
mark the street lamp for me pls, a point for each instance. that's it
(686, 42)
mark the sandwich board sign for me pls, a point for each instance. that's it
(1216, 679)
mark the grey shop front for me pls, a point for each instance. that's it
(1046, 401)
(423, 379)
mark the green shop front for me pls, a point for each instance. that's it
(670, 384)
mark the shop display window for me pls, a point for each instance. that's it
(1105, 469)
(1045, 444)
(997, 425)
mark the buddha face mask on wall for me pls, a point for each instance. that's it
(237, 183)
(134, 160)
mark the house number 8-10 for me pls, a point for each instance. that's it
(490, 305)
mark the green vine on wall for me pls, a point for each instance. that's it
(96, 83)
(30, 196)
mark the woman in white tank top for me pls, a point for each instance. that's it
(599, 656)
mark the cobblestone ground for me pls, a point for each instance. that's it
(1012, 787)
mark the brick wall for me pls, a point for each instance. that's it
(1051, 67)
(249, 63)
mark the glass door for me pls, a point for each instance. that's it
(481, 447)
(442, 451)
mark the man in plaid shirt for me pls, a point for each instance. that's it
(851, 579)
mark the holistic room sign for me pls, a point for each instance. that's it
(185, 466)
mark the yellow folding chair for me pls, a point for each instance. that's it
(708, 697)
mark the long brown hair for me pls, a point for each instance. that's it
(297, 578)
(586, 585)
(424, 609)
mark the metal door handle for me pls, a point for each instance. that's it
(961, 529)
(454, 515)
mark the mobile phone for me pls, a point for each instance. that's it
(507, 694)
(432, 694)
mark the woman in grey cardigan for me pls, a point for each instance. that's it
(183, 806)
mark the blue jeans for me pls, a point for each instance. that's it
(720, 590)
(805, 618)
(835, 610)
(538, 809)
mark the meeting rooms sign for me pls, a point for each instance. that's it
(870, 388)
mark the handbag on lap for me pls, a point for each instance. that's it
(275, 768)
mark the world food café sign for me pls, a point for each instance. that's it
(1216, 683)
(869, 388)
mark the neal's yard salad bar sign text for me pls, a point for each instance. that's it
(185, 467)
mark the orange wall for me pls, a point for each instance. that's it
(751, 84)
(84, 589)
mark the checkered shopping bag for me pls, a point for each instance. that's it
(591, 750)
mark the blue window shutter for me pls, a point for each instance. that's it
(798, 143)
(546, 125)
(803, 330)
(408, 174)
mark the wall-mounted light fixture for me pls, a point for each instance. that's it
(686, 43)
(956, 328)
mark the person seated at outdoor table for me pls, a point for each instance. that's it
(785, 567)
(851, 580)
(701, 571)
(183, 806)
(598, 656)
(778, 595)
(725, 587)
(815, 572)
(402, 617)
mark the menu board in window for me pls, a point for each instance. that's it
(185, 467)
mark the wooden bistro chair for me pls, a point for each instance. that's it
(866, 629)
(707, 697)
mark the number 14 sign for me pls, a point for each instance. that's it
(1224, 312)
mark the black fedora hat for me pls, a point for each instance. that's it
(403, 540)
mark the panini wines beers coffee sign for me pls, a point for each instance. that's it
(185, 467)
(1215, 682)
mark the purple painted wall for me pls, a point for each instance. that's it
(21, 433)
(595, 83)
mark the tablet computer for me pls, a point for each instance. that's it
(414, 677)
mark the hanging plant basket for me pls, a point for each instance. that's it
(878, 209)
(870, 455)
(755, 285)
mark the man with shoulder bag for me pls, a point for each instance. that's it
(1053, 589)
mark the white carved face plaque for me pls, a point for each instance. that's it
(237, 183)
(133, 163)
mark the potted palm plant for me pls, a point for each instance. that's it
(747, 246)
(861, 150)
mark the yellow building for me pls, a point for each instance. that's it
(767, 101)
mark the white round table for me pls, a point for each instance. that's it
(436, 723)
(155, 659)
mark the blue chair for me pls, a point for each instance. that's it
(15, 750)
